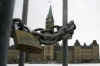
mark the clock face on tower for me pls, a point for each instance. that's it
(49, 20)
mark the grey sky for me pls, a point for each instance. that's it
(84, 12)
(86, 16)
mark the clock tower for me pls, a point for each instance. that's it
(50, 21)
(49, 49)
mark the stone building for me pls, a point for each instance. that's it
(79, 53)
(47, 52)
(54, 52)
(13, 56)
(49, 49)
(85, 53)
(76, 54)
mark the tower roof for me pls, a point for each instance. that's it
(50, 12)
(77, 43)
(50, 21)
(85, 45)
(94, 43)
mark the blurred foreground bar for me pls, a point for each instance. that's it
(6, 12)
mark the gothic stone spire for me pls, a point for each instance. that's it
(50, 20)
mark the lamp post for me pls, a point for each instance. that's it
(6, 12)
(65, 41)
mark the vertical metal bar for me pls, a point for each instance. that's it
(24, 21)
(65, 52)
(6, 12)
(65, 41)
(25, 11)
(65, 11)
(21, 59)
(26, 56)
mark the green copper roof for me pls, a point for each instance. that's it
(50, 12)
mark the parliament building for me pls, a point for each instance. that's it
(76, 53)
(79, 53)
(54, 53)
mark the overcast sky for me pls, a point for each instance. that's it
(85, 13)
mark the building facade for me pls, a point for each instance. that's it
(13, 56)
(79, 53)
(76, 53)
